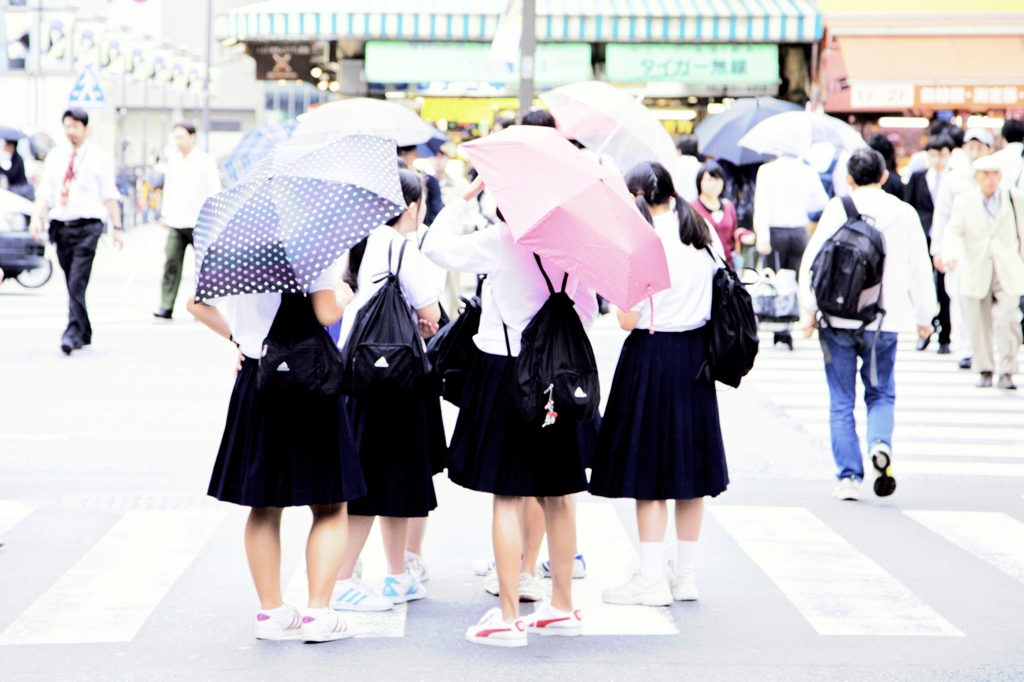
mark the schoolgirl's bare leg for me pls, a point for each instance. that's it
(652, 519)
(560, 516)
(507, 532)
(689, 516)
(533, 534)
(417, 531)
(324, 551)
(394, 532)
(358, 530)
(263, 549)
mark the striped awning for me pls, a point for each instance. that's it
(711, 21)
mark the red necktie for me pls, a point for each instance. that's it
(69, 175)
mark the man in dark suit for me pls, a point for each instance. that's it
(922, 192)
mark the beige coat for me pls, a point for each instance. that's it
(980, 251)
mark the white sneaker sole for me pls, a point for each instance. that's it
(641, 600)
(505, 643)
(321, 637)
(363, 609)
(281, 636)
(684, 596)
(556, 632)
(405, 598)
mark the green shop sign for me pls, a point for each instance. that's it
(692, 64)
(416, 62)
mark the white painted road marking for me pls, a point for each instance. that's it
(903, 466)
(837, 589)
(31, 436)
(994, 537)
(13, 511)
(111, 591)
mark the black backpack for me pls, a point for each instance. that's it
(732, 330)
(451, 350)
(555, 373)
(846, 275)
(298, 353)
(384, 353)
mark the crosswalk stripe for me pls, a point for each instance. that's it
(940, 406)
(12, 512)
(933, 431)
(801, 385)
(375, 567)
(960, 380)
(928, 449)
(908, 416)
(611, 560)
(994, 537)
(903, 466)
(839, 590)
(110, 592)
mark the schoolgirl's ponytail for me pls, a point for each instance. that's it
(693, 229)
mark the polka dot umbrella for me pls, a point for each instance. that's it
(294, 215)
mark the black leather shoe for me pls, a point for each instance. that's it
(163, 314)
(1006, 381)
(69, 343)
(923, 343)
(965, 363)
(985, 381)
(943, 349)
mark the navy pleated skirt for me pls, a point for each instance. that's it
(661, 438)
(401, 446)
(284, 450)
(494, 451)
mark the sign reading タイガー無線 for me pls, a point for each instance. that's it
(718, 64)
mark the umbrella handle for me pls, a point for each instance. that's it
(618, 126)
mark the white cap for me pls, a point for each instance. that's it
(981, 135)
(988, 163)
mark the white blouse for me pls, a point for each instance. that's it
(687, 304)
(250, 316)
(518, 289)
(413, 278)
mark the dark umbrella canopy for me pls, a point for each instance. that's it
(294, 215)
(718, 135)
(11, 134)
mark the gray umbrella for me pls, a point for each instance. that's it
(718, 135)
(11, 134)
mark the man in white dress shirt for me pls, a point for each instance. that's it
(76, 195)
(1009, 157)
(191, 178)
(684, 175)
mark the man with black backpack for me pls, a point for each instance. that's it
(865, 276)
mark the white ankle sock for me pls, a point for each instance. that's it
(401, 577)
(319, 613)
(279, 611)
(650, 560)
(685, 552)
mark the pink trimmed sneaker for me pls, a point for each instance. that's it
(492, 630)
(547, 620)
(286, 624)
(324, 627)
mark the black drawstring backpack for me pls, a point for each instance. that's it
(298, 353)
(555, 373)
(384, 354)
(451, 350)
(732, 329)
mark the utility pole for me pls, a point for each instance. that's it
(527, 45)
(206, 78)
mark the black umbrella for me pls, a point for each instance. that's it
(718, 135)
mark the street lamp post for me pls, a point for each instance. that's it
(527, 45)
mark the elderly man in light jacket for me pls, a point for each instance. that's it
(983, 242)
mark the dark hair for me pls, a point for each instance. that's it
(688, 145)
(651, 184)
(76, 114)
(1013, 130)
(956, 134)
(412, 190)
(504, 122)
(881, 144)
(402, 165)
(406, 149)
(938, 127)
(713, 169)
(539, 118)
(186, 126)
(939, 142)
(866, 166)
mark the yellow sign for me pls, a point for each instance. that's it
(923, 7)
(466, 109)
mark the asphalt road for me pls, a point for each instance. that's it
(116, 567)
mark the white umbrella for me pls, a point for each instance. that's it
(362, 116)
(794, 132)
(13, 203)
(608, 121)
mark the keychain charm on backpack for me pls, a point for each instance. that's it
(549, 408)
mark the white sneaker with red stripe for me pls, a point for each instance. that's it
(281, 623)
(492, 630)
(324, 625)
(547, 620)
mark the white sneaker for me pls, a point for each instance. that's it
(639, 590)
(547, 620)
(491, 582)
(355, 595)
(492, 630)
(358, 570)
(483, 566)
(320, 628)
(403, 590)
(848, 489)
(287, 625)
(417, 566)
(579, 568)
(683, 585)
(531, 587)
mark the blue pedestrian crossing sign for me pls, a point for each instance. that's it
(87, 92)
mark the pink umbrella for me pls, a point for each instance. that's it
(571, 210)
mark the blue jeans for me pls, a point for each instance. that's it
(841, 374)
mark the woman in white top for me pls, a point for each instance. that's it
(401, 439)
(493, 450)
(283, 451)
(660, 436)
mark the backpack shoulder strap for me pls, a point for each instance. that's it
(401, 254)
(551, 287)
(851, 208)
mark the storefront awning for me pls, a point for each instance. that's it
(925, 72)
(728, 21)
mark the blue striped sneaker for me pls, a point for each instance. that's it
(579, 568)
(407, 588)
(355, 595)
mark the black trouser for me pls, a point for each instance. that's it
(788, 246)
(76, 247)
(943, 322)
